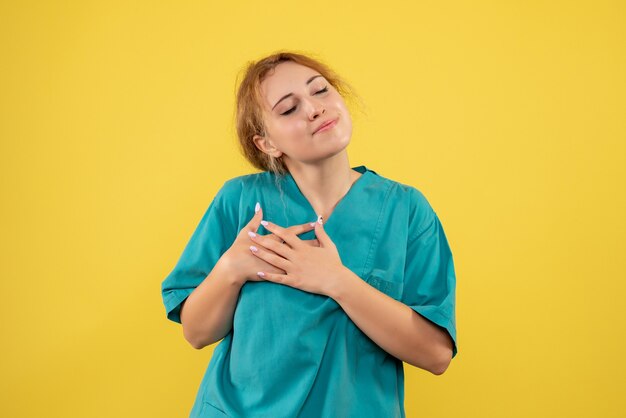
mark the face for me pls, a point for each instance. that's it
(297, 100)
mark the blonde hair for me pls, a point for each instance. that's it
(249, 109)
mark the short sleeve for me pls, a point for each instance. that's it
(214, 234)
(430, 280)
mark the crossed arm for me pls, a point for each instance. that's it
(392, 325)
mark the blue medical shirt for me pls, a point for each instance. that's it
(292, 353)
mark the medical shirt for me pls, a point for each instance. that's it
(296, 354)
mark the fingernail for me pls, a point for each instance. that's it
(257, 207)
(320, 219)
(260, 273)
(253, 248)
(312, 224)
(264, 223)
(252, 234)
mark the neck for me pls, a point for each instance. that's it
(324, 183)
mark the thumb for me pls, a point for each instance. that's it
(321, 234)
(255, 222)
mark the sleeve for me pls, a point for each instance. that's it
(214, 234)
(430, 280)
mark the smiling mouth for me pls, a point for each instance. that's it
(326, 126)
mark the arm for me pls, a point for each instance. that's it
(392, 325)
(207, 314)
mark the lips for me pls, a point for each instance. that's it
(325, 124)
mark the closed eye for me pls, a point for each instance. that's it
(324, 90)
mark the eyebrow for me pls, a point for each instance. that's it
(291, 94)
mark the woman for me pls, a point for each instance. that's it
(321, 278)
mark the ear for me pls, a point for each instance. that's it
(265, 145)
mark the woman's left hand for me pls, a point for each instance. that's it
(309, 268)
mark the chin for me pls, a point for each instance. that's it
(341, 144)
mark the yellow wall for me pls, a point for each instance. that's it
(116, 131)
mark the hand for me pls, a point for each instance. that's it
(308, 268)
(244, 264)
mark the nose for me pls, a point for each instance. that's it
(317, 108)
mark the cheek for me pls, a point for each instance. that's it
(340, 104)
(296, 127)
(343, 110)
(292, 135)
(288, 128)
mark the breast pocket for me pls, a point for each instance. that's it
(209, 410)
(379, 279)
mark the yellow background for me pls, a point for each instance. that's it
(116, 126)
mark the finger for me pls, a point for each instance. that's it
(292, 240)
(268, 268)
(255, 222)
(273, 277)
(311, 242)
(321, 234)
(269, 257)
(301, 228)
(274, 237)
(273, 243)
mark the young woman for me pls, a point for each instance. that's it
(320, 278)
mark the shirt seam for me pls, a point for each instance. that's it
(376, 231)
(419, 234)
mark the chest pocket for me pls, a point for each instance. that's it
(378, 279)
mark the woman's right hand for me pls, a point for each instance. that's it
(244, 264)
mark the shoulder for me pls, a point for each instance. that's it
(248, 180)
(417, 206)
(402, 192)
(232, 193)
(232, 188)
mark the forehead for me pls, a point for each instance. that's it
(286, 77)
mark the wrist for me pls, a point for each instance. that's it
(229, 271)
(337, 288)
